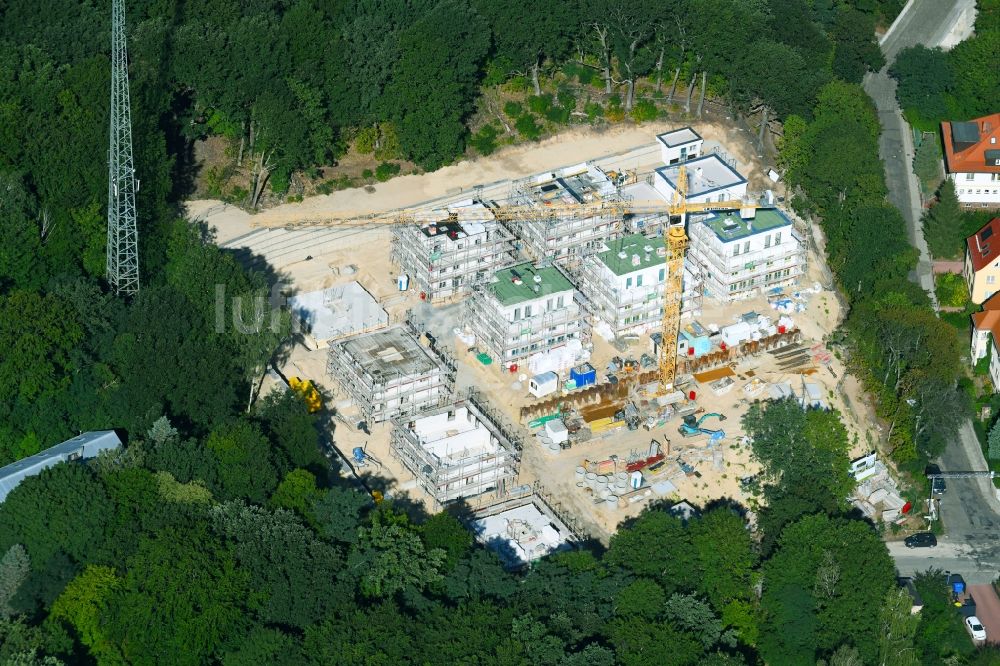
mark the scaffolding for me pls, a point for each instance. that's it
(565, 236)
(452, 250)
(389, 374)
(462, 450)
(512, 341)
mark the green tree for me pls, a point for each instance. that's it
(443, 531)
(391, 557)
(898, 629)
(245, 469)
(83, 604)
(924, 77)
(297, 492)
(943, 223)
(994, 442)
(642, 597)
(658, 546)
(14, 568)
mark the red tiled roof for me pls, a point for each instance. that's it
(984, 245)
(989, 318)
(972, 158)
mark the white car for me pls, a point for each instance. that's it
(976, 628)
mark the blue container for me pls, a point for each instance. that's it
(583, 375)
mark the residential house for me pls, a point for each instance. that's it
(525, 310)
(680, 145)
(709, 179)
(972, 159)
(982, 262)
(985, 332)
(736, 258)
(82, 447)
(451, 248)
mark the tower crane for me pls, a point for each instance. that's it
(675, 240)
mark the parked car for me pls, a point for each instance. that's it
(937, 486)
(975, 628)
(920, 540)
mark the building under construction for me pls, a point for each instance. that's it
(462, 450)
(623, 286)
(577, 225)
(389, 374)
(525, 310)
(451, 249)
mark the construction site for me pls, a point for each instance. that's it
(575, 344)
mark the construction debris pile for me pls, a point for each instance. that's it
(877, 495)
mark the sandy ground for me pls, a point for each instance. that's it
(458, 180)
(364, 256)
(557, 472)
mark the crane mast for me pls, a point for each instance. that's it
(122, 250)
(676, 242)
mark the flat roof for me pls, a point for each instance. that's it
(550, 281)
(520, 535)
(704, 174)
(730, 226)
(632, 253)
(338, 311)
(578, 184)
(456, 220)
(388, 353)
(454, 439)
(678, 137)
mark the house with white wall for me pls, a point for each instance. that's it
(623, 286)
(985, 332)
(972, 159)
(738, 258)
(680, 145)
(525, 311)
(449, 249)
(709, 178)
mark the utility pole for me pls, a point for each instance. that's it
(123, 246)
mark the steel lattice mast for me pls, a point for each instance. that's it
(123, 250)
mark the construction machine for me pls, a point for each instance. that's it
(510, 215)
(691, 427)
(305, 389)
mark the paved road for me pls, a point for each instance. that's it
(969, 509)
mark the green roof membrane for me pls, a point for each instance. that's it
(508, 293)
(730, 226)
(632, 246)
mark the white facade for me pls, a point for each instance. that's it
(709, 179)
(740, 258)
(512, 327)
(680, 145)
(449, 250)
(977, 190)
(456, 452)
(552, 225)
(994, 366)
(981, 341)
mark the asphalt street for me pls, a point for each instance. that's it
(969, 509)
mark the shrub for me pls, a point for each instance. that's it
(615, 100)
(615, 114)
(593, 111)
(585, 75)
(540, 103)
(513, 109)
(367, 174)
(951, 290)
(519, 84)
(644, 111)
(385, 171)
(558, 114)
(567, 99)
(485, 140)
(280, 180)
(528, 128)
(365, 143)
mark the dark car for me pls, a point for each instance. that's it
(920, 540)
(937, 486)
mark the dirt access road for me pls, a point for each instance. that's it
(491, 174)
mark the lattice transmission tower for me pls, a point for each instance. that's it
(123, 237)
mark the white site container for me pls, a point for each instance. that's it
(556, 431)
(543, 384)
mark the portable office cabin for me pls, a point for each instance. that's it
(543, 384)
(583, 375)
